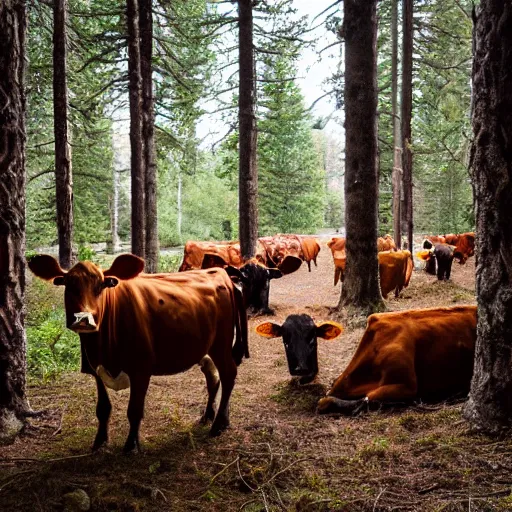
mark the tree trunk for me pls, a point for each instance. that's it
(114, 225)
(361, 286)
(13, 401)
(397, 164)
(406, 118)
(490, 403)
(248, 171)
(148, 134)
(63, 172)
(136, 142)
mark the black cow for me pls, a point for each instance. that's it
(444, 257)
(430, 265)
(442, 254)
(299, 333)
(255, 280)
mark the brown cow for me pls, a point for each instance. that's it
(337, 246)
(272, 250)
(451, 239)
(134, 325)
(194, 252)
(386, 243)
(423, 353)
(310, 249)
(395, 269)
(436, 239)
(465, 247)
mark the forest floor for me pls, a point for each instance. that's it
(278, 454)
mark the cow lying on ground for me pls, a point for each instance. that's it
(300, 333)
(442, 254)
(406, 355)
(395, 267)
(135, 325)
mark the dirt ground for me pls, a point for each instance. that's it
(278, 454)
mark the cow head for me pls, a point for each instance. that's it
(255, 280)
(300, 333)
(85, 285)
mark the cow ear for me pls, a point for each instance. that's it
(269, 330)
(125, 266)
(211, 260)
(274, 273)
(424, 255)
(290, 264)
(46, 267)
(329, 330)
(235, 274)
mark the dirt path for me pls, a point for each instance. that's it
(278, 454)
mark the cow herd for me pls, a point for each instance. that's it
(134, 325)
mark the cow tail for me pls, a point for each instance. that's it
(241, 346)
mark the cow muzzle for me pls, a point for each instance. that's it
(84, 323)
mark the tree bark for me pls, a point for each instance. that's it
(490, 403)
(148, 134)
(136, 142)
(13, 401)
(361, 286)
(406, 107)
(63, 169)
(248, 171)
(397, 167)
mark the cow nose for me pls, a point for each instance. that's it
(300, 369)
(84, 322)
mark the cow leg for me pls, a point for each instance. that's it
(393, 392)
(309, 265)
(103, 409)
(138, 388)
(332, 405)
(212, 383)
(227, 372)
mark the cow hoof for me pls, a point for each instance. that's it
(207, 417)
(131, 448)
(218, 428)
(99, 442)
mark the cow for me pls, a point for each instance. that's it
(395, 270)
(194, 252)
(300, 333)
(310, 249)
(451, 239)
(386, 243)
(407, 355)
(339, 255)
(254, 279)
(442, 254)
(430, 265)
(395, 267)
(436, 239)
(134, 325)
(465, 247)
(272, 250)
